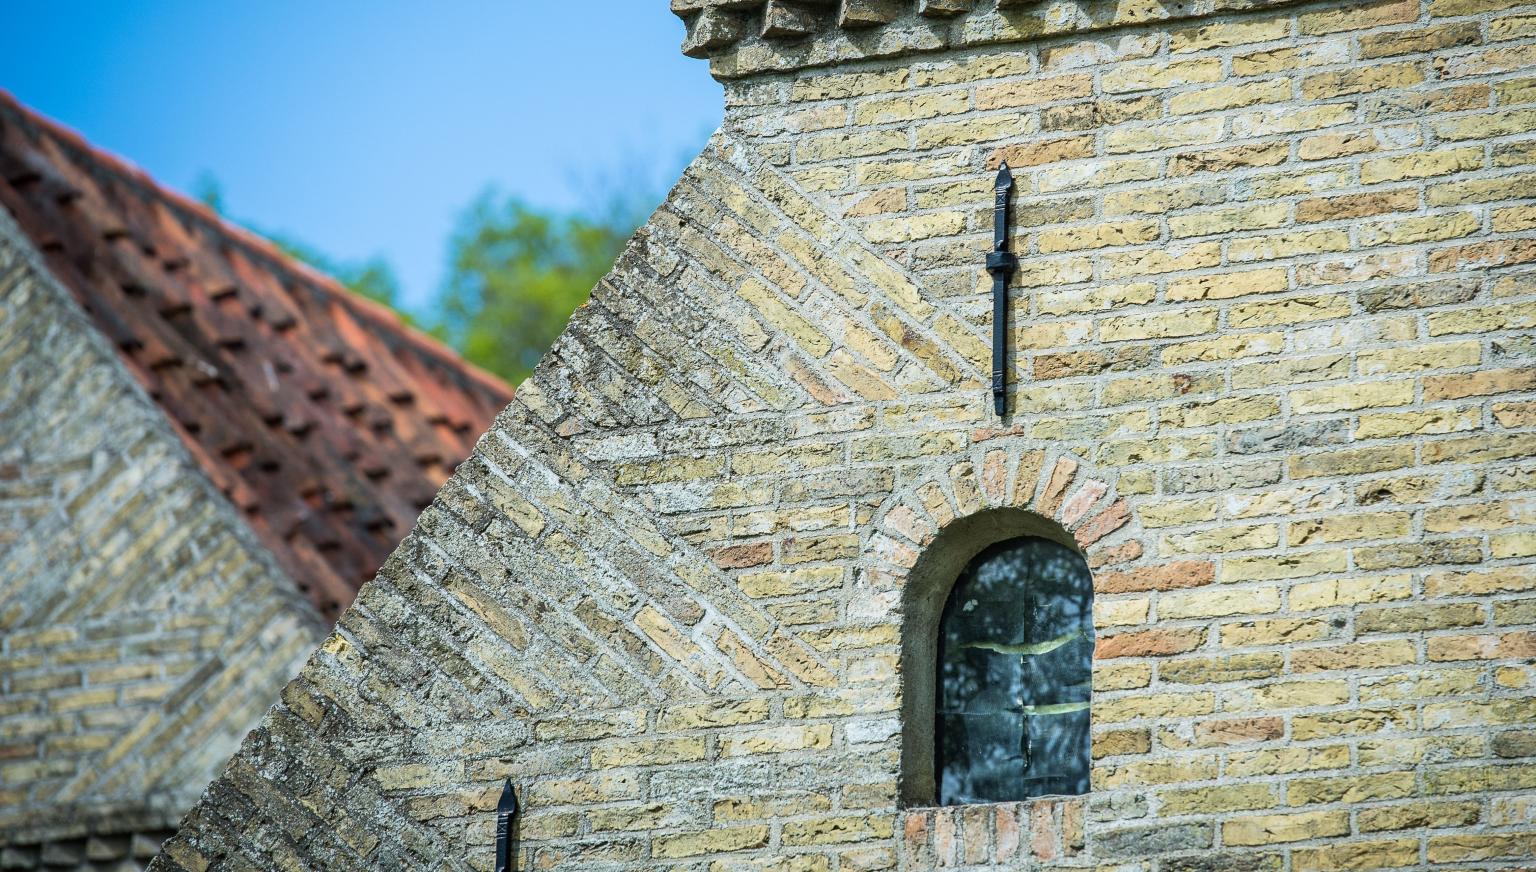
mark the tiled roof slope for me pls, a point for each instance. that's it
(328, 422)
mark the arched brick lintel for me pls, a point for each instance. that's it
(929, 531)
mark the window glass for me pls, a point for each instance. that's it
(1015, 656)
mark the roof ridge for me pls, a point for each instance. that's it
(255, 243)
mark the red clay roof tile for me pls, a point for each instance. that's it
(326, 420)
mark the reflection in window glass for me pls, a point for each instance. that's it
(1015, 654)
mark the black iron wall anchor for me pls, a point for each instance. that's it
(1000, 263)
(506, 814)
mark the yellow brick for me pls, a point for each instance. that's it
(1221, 539)
(886, 171)
(1286, 695)
(909, 107)
(1352, 591)
(1359, 80)
(1481, 449)
(1154, 705)
(1303, 57)
(791, 583)
(1299, 565)
(1278, 245)
(1520, 185)
(1344, 528)
(1126, 78)
(779, 314)
(993, 66)
(1421, 40)
(1351, 788)
(1223, 286)
(1359, 16)
(1294, 310)
(1044, 272)
(648, 752)
(1155, 261)
(835, 830)
(1276, 631)
(1279, 761)
(843, 86)
(1480, 846)
(838, 146)
(1421, 165)
(776, 740)
(1351, 722)
(1171, 134)
(1223, 97)
(1121, 613)
(1223, 34)
(1218, 799)
(1330, 145)
(1294, 183)
(1224, 348)
(1340, 398)
(1507, 316)
(1097, 236)
(1352, 461)
(1224, 411)
(1158, 325)
(1362, 655)
(1503, 122)
(1389, 854)
(1113, 675)
(1228, 220)
(716, 714)
(716, 841)
(1514, 218)
(1291, 119)
(1442, 355)
(1151, 772)
(1400, 750)
(1508, 579)
(1216, 602)
(1435, 421)
(1491, 515)
(1097, 299)
(1428, 228)
(1034, 92)
(1417, 686)
(913, 227)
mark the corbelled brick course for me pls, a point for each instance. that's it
(1271, 355)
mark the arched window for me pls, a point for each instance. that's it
(1015, 654)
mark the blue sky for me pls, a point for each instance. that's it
(364, 127)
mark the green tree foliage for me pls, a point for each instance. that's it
(516, 273)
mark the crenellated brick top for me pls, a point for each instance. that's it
(746, 37)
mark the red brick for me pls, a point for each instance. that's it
(1167, 576)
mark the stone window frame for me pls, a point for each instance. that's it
(933, 529)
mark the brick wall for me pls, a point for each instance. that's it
(142, 629)
(1271, 353)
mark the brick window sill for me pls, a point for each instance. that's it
(958, 836)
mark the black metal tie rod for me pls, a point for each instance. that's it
(506, 810)
(1000, 263)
